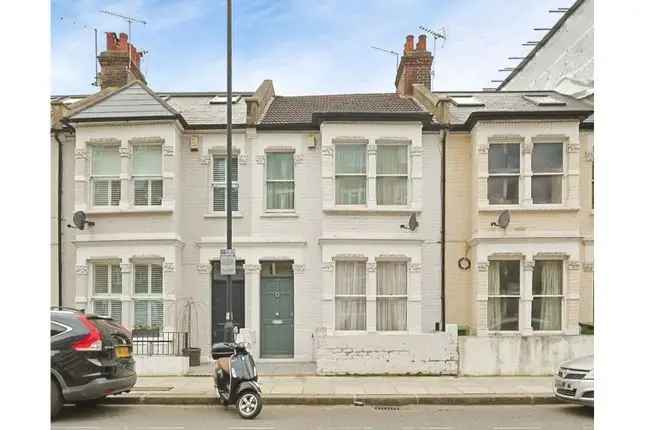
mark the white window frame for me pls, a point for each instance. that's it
(507, 175)
(517, 296)
(407, 176)
(347, 175)
(350, 296)
(110, 178)
(562, 297)
(148, 297)
(134, 177)
(562, 174)
(212, 184)
(393, 296)
(267, 180)
(110, 296)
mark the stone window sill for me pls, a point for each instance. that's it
(534, 208)
(218, 215)
(374, 210)
(130, 210)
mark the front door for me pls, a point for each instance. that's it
(276, 309)
(218, 300)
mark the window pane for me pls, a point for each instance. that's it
(116, 278)
(156, 279)
(106, 161)
(156, 192)
(115, 192)
(391, 190)
(547, 157)
(141, 193)
(219, 169)
(350, 190)
(101, 192)
(503, 313)
(234, 169)
(156, 313)
(350, 277)
(392, 159)
(391, 278)
(140, 313)
(235, 199)
(219, 199)
(504, 158)
(503, 190)
(279, 166)
(280, 195)
(115, 311)
(504, 278)
(141, 279)
(101, 307)
(147, 160)
(100, 279)
(546, 189)
(350, 313)
(546, 313)
(547, 277)
(391, 314)
(350, 159)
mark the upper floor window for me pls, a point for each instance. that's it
(146, 170)
(546, 182)
(503, 173)
(546, 309)
(218, 184)
(351, 174)
(392, 175)
(105, 175)
(391, 295)
(504, 295)
(280, 182)
(350, 300)
(106, 291)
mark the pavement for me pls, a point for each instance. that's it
(298, 417)
(346, 390)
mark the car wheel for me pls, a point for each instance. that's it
(89, 403)
(56, 399)
(249, 404)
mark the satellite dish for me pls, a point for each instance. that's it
(503, 220)
(80, 219)
(412, 223)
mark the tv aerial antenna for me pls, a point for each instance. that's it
(130, 20)
(436, 35)
(388, 51)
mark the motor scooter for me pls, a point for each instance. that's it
(236, 378)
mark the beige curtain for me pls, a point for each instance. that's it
(350, 280)
(391, 280)
(494, 304)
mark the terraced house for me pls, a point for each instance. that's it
(331, 272)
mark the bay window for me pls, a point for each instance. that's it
(106, 290)
(547, 167)
(146, 172)
(391, 296)
(218, 184)
(350, 295)
(503, 295)
(148, 292)
(105, 175)
(392, 174)
(351, 174)
(546, 308)
(280, 182)
(503, 173)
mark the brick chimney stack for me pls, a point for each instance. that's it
(415, 65)
(118, 66)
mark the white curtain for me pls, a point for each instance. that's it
(550, 308)
(392, 160)
(280, 186)
(350, 281)
(392, 190)
(391, 280)
(106, 161)
(494, 304)
(147, 160)
(350, 159)
(351, 190)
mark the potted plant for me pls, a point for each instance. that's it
(145, 331)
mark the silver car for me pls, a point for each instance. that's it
(573, 382)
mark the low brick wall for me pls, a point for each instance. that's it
(517, 355)
(160, 365)
(376, 354)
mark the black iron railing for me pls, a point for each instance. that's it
(172, 343)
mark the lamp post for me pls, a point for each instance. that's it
(229, 335)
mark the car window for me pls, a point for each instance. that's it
(55, 329)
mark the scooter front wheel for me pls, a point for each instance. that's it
(249, 404)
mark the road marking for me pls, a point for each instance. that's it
(251, 428)
(517, 428)
(427, 428)
(74, 428)
(161, 427)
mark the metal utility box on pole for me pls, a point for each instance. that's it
(229, 335)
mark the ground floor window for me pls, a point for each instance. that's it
(350, 295)
(391, 296)
(148, 292)
(106, 289)
(148, 314)
(504, 295)
(546, 308)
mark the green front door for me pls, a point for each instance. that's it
(276, 310)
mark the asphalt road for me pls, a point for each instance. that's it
(497, 417)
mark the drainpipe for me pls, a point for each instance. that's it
(444, 135)
(59, 232)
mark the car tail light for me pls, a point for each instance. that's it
(92, 341)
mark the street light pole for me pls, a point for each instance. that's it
(229, 336)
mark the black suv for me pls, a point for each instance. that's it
(91, 357)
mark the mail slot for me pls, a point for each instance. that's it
(277, 321)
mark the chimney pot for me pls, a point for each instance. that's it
(409, 43)
(414, 67)
(422, 43)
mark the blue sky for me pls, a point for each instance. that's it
(304, 46)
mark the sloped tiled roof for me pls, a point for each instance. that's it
(299, 109)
